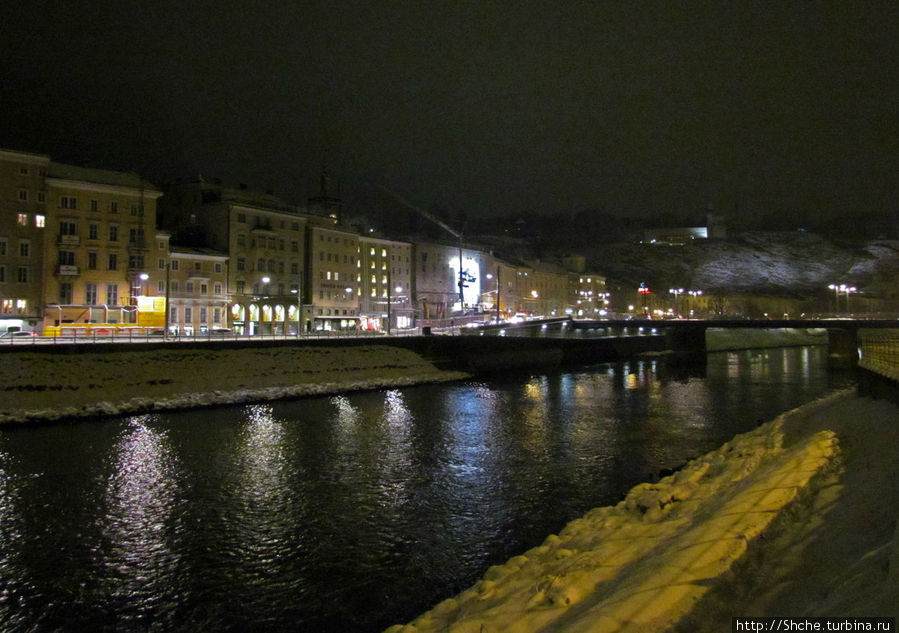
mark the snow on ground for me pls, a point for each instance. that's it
(38, 385)
(797, 517)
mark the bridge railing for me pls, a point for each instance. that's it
(879, 353)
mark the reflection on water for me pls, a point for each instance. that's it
(352, 512)
(140, 555)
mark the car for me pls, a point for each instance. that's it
(220, 331)
(18, 334)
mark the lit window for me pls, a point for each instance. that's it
(22, 219)
(40, 221)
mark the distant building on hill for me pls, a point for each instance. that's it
(715, 228)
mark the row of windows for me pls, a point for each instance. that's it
(23, 219)
(190, 287)
(202, 312)
(71, 202)
(13, 306)
(91, 294)
(24, 247)
(270, 266)
(335, 257)
(69, 258)
(262, 222)
(264, 289)
(336, 240)
(24, 195)
(67, 228)
(196, 267)
(23, 275)
(266, 242)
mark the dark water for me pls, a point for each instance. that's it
(348, 513)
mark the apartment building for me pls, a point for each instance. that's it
(23, 223)
(97, 246)
(384, 278)
(332, 272)
(197, 297)
(264, 238)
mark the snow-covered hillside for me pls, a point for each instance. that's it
(767, 262)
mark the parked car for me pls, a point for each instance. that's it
(18, 334)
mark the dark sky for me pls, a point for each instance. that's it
(485, 107)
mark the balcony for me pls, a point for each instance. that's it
(68, 240)
(67, 270)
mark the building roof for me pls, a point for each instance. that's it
(98, 176)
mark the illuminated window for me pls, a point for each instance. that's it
(40, 221)
(22, 219)
(21, 306)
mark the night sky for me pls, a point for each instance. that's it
(634, 108)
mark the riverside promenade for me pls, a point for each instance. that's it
(797, 518)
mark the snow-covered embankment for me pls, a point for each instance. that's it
(48, 384)
(643, 564)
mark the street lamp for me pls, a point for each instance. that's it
(693, 294)
(837, 289)
(490, 276)
(676, 292)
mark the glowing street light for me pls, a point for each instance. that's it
(837, 289)
(676, 292)
(693, 294)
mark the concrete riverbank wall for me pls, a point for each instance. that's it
(49, 382)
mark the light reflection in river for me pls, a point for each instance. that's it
(140, 553)
(352, 512)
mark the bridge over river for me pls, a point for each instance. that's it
(690, 335)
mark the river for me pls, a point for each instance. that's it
(353, 512)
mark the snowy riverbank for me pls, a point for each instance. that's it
(796, 518)
(38, 385)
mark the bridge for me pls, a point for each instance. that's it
(688, 336)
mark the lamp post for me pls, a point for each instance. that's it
(837, 289)
(676, 292)
(165, 332)
(264, 291)
(693, 294)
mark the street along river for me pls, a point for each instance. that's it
(348, 513)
